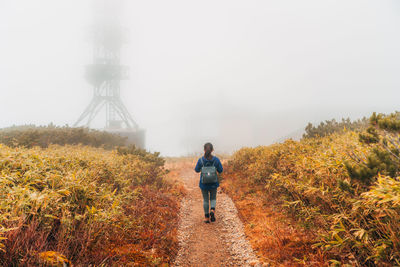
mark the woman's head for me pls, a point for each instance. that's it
(208, 148)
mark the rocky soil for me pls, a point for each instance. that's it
(221, 243)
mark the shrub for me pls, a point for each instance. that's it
(332, 126)
(383, 136)
(344, 190)
(85, 205)
(30, 136)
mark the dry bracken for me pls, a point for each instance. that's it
(89, 205)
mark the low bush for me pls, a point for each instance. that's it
(31, 135)
(85, 205)
(345, 192)
(332, 126)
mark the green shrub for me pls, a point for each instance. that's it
(42, 136)
(332, 126)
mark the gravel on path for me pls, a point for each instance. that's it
(221, 243)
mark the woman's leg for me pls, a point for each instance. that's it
(206, 199)
(213, 198)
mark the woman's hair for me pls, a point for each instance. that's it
(208, 148)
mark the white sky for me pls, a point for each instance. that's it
(237, 73)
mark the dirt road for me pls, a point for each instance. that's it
(221, 243)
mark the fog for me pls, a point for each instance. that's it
(236, 73)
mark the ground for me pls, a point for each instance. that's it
(221, 243)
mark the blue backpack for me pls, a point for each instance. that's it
(208, 173)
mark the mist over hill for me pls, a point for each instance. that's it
(242, 73)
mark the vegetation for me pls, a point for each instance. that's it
(332, 126)
(43, 136)
(84, 205)
(384, 158)
(333, 196)
(342, 189)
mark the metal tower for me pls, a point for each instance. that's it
(106, 72)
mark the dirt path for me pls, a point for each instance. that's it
(221, 243)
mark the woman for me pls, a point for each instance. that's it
(209, 189)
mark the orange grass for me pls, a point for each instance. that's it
(275, 237)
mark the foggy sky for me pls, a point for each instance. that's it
(237, 73)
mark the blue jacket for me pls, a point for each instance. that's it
(214, 161)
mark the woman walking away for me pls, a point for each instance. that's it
(209, 165)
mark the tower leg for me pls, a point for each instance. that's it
(90, 112)
(125, 115)
(100, 104)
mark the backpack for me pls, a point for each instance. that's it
(208, 174)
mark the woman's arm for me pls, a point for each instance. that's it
(198, 166)
(219, 167)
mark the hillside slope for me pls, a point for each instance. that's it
(301, 206)
(85, 205)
